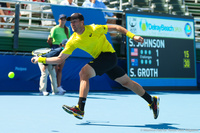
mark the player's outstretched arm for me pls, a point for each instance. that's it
(125, 32)
(53, 60)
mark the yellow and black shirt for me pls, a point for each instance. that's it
(92, 40)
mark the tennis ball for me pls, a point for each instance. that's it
(11, 75)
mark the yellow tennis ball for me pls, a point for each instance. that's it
(11, 75)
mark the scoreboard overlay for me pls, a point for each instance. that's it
(167, 56)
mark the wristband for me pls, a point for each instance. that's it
(130, 35)
(42, 60)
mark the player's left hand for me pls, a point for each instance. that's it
(34, 60)
(138, 39)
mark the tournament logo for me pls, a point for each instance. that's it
(188, 29)
(132, 24)
(143, 24)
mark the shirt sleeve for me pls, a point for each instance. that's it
(100, 29)
(69, 47)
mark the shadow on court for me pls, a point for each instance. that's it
(163, 126)
(152, 126)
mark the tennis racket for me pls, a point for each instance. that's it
(40, 51)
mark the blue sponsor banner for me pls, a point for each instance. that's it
(27, 75)
(91, 16)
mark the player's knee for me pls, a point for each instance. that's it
(84, 74)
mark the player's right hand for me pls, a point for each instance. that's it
(138, 39)
(34, 60)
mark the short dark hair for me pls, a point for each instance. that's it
(75, 16)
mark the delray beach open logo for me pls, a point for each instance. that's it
(188, 29)
(132, 25)
(159, 27)
(143, 24)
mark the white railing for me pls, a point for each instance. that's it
(48, 23)
(27, 14)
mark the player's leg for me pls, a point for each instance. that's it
(85, 74)
(98, 66)
(132, 85)
(121, 77)
(138, 89)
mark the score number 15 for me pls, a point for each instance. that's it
(186, 60)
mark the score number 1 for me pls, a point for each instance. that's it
(157, 54)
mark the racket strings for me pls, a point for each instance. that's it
(42, 51)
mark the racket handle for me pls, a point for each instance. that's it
(33, 60)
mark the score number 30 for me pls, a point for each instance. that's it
(186, 60)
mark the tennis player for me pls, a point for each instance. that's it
(92, 39)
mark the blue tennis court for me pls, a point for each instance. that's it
(105, 112)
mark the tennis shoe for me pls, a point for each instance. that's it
(60, 89)
(58, 93)
(44, 93)
(75, 110)
(155, 106)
